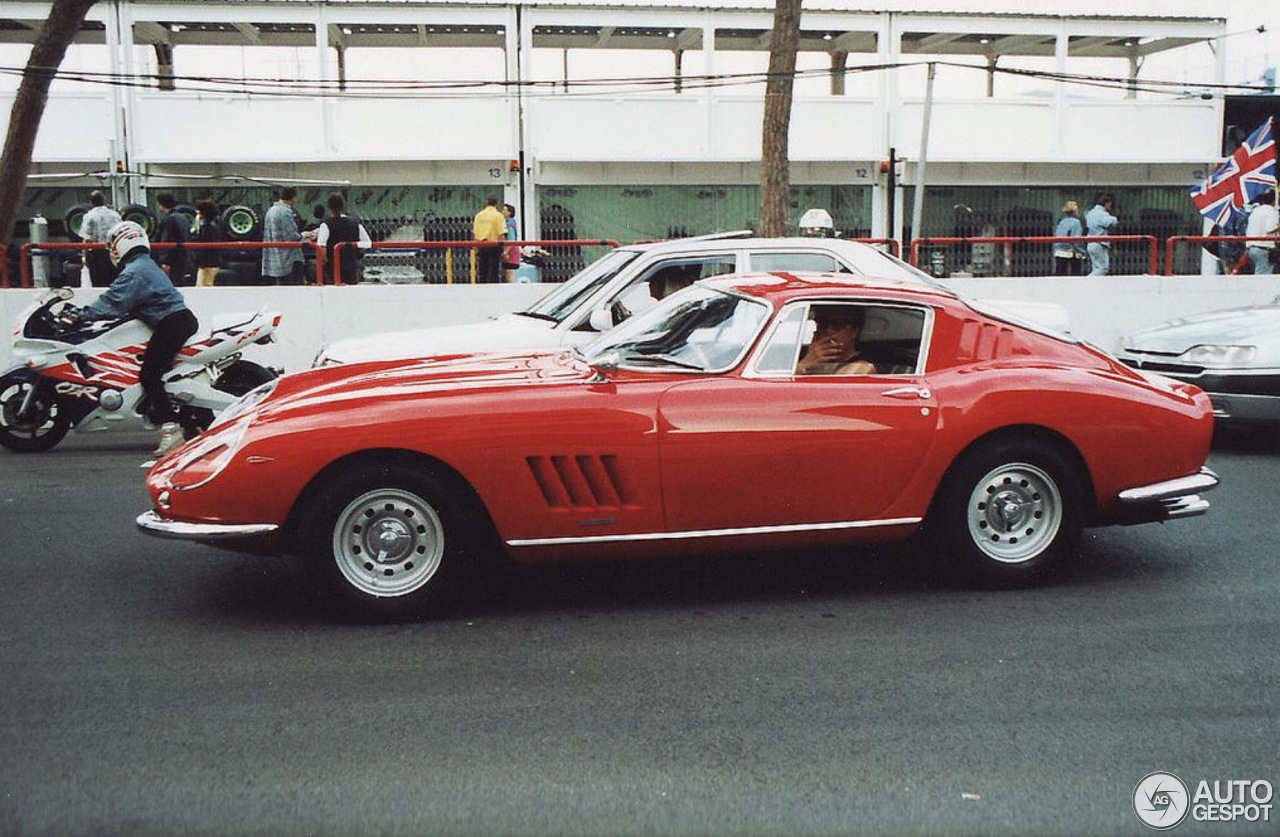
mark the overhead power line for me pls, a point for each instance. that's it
(419, 88)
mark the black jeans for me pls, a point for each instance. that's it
(101, 270)
(1067, 265)
(489, 264)
(169, 336)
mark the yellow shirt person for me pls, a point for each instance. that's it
(489, 225)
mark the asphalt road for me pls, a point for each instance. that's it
(154, 687)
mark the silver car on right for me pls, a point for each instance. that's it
(1233, 355)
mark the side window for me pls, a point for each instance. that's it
(783, 347)
(823, 262)
(839, 338)
(662, 279)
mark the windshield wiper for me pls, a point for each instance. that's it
(537, 316)
(667, 360)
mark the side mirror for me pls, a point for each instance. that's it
(601, 319)
(55, 295)
(607, 362)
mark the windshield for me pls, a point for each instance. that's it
(569, 297)
(698, 329)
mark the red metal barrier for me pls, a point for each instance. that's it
(1204, 239)
(450, 246)
(24, 252)
(1151, 240)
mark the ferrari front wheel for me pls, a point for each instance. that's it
(387, 539)
(1010, 512)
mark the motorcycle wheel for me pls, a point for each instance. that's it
(237, 379)
(241, 377)
(43, 424)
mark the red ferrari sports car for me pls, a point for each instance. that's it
(757, 410)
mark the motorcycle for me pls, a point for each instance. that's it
(85, 375)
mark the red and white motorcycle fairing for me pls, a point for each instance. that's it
(86, 377)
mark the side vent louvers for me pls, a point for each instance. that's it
(583, 482)
(986, 341)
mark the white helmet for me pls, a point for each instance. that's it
(124, 238)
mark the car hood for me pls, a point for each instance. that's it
(389, 382)
(508, 331)
(1257, 325)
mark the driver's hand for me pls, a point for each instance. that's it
(819, 352)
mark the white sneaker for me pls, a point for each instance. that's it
(170, 438)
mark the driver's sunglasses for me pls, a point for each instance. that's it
(833, 323)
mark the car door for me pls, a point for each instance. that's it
(772, 448)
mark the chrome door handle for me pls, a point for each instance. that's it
(907, 392)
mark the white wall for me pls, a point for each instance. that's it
(1101, 309)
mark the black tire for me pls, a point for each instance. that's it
(141, 215)
(241, 377)
(42, 425)
(194, 421)
(427, 541)
(73, 218)
(1009, 512)
(241, 223)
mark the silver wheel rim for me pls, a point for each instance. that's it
(11, 399)
(388, 542)
(1014, 512)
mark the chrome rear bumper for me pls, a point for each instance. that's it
(1169, 499)
(156, 526)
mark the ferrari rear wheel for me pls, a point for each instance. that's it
(387, 539)
(1010, 512)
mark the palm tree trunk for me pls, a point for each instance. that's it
(775, 169)
(57, 33)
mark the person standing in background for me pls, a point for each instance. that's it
(510, 252)
(337, 228)
(1264, 220)
(173, 228)
(209, 231)
(94, 226)
(488, 225)
(282, 265)
(1099, 222)
(1068, 257)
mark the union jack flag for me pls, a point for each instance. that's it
(1247, 173)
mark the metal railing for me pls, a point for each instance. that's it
(1008, 241)
(453, 270)
(29, 250)
(1171, 242)
(554, 248)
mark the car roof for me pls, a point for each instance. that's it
(745, 239)
(782, 286)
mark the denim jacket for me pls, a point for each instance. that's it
(141, 289)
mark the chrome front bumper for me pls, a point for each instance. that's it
(1169, 499)
(156, 526)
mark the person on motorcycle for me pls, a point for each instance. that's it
(142, 290)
